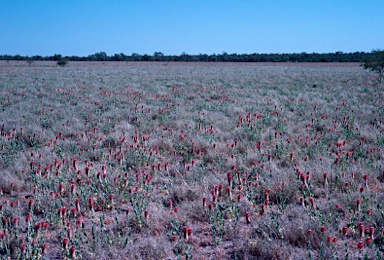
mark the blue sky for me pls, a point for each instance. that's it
(82, 27)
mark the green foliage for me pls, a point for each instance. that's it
(62, 62)
(222, 57)
(376, 63)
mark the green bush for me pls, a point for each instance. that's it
(62, 62)
(376, 64)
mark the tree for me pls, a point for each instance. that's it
(37, 57)
(56, 57)
(146, 57)
(101, 56)
(184, 56)
(119, 57)
(136, 57)
(375, 63)
(159, 56)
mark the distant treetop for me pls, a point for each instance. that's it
(223, 57)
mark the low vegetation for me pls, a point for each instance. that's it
(62, 62)
(198, 160)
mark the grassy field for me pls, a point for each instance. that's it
(179, 160)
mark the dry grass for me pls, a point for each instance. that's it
(149, 134)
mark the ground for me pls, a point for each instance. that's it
(117, 160)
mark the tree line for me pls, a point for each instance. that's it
(223, 57)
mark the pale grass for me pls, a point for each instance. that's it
(85, 111)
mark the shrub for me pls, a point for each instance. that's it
(62, 62)
(376, 64)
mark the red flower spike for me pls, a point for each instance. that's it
(360, 245)
(44, 248)
(228, 190)
(262, 209)
(187, 232)
(361, 229)
(248, 217)
(312, 201)
(111, 198)
(79, 222)
(345, 231)
(30, 204)
(61, 188)
(65, 243)
(73, 212)
(69, 232)
(229, 177)
(28, 219)
(371, 232)
(23, 247)
(325, 179)
(73, 189)
(358, 203)
(72, 252)
(91, 204)
(366, 180)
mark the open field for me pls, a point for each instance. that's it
(179, 160)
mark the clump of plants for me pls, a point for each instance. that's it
(62, 62)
